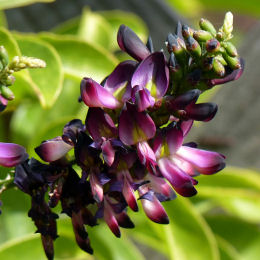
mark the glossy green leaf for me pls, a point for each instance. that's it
(69, 27)
(80, 58)
(116, 17)
(188, 235)
(244, 237)
(3, 21)
(236, 190)
(95, 29)
(5, 4)
(47, 81)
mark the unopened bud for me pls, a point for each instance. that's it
(218, 68)
(187, 31)
(175, 68)
(6, 93)
(202, 36)
(230, 49)
(149, 44)
(3, 57)
(207, 26)
(221, 59)
(227, 27)
(208, 63)
(212, 45)
(220, 36)
(233, 62)
(23, 62)
(9, 81)
(193, 47)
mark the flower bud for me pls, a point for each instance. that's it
(186, 31)
(206, 25)
(202, 35)
(212, 45)
(9, 80)
(193, 47)
(230, 49)
(3, 56)
(218, 67)
(233, 62)
(6, 93)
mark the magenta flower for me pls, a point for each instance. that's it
(12, 154)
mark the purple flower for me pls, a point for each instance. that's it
(12, 154)
(179, 163)
(129, 42)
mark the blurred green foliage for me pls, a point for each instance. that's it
(220, 223)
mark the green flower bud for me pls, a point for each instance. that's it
(9, 80)
(218, 68)
(202, 36)
(6, 92)
(208, 63)
(193, 47)
(206, 25)
(233, 62)
(230, 49)
(3, 57)
(221, 59)
(212, 45)
(187, 31)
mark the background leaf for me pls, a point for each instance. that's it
(5, 4)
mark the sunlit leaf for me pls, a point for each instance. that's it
(48, 81)
(95, 29)
(80, 58)
(5, 4)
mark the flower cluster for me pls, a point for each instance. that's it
(132, 141)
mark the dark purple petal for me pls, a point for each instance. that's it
(205, 162)
(153, 208)
(70, 131)
(108, 152)
(129, 42)
(47, 243)
(124, 220)
(53, 149)
(152, 74)
(94, 95)
(12, 154)
(179, 180)
(99, 124)
(135, 126)
(146, 154)
(234, 75)
(129, 195)
(182, 101)
(96, 187)
(118, 82)
(201, 112)
(174, 140)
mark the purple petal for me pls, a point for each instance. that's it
(153, 208)
(12, 154)
(143, 99)
(108, 152)
(3, 103)
(174, 139)
(96, 187)
(205, 162)
(153, 74)
(234, 75)
(103, 127)
(110, 219)
(124, 220)
(182, 101)
(129, 42)
(70, 131)
(146, 154)
(186, 126)
(179, 180)
(201, 112)
(94, 95)
(135, 126)
(118, 82)
(53, 149)
(129, 195)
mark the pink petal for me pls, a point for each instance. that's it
(94, 95)
(108, 152)
(205, 162)
(96, 187)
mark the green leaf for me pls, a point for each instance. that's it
(244, 237)
(235, 190)
(47, 81)
(69, 27)
(116, 17)
(5, 4)
(188, 235)
(80, 58)
(3, 21)
(95, 29)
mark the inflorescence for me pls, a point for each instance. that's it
(132, 141)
